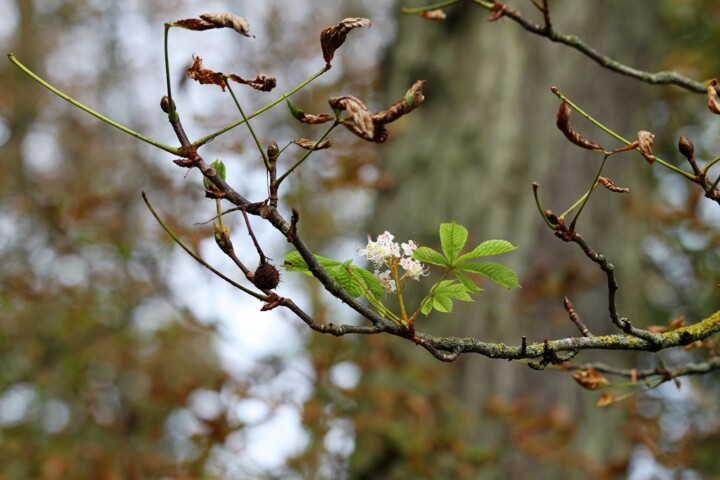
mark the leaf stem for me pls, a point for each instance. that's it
(427, 8)
(172, 113)
(207, 138)
(197, 258)
(247, 122)
(304, 157)
(64, 96)
(589, 192)
(707, 167)
(605, 129)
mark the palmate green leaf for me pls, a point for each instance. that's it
(442, 295)
(496, 272)
(452, 239)
(488, 247)
(428, 255)
(354, 280)
(467, 283)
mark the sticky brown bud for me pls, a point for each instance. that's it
(686, 147)
(266, 277)
(165, 104)
(273, 151)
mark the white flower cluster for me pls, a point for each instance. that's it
(383, 253)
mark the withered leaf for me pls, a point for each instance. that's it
(434, 14)
(563, 123)
(590, 379)
(312, 145)
(605, 400)
(205, 76)
(228, 20)
(308, 118)
(262, 82)
(413, 98)
(333, 36)
(645, 143)
(359, 120)
(712, 96)
(610, 185)
(195, 24)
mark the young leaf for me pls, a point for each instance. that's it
(370, 281)
(499, 274)
(468, 283)
(442, 295)
(295, 263)
(428, 255)
(355, 280)
(487, 248)
(341, 274)
(219, 167)
(452, 239)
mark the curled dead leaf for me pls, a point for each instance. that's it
(262, 82)
(563, 123)
(205, 76)
(413, 98)
(610, 185)
(590, 379)
(645, 143)
(433, 14)
(605, 400)
(358, 119)
(312, 145)
(333, 36)
(228, 20)
(712, 97)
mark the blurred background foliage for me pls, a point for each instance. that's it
(119, 358)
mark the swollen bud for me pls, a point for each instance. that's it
(165, 104)
(686, 147)
(273, 151)
(266, 277)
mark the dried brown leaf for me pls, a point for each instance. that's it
(312, 145)
(333, 36)
(228, 20)
(413, 99)
(433, 14)
(645, 143)
(359, 120)
(712, 96)
(312, 119)
(205, 76)
(610, 185)
(590, 379)
(262, 82)
(563, 123)
(195, 24)
(605, 400)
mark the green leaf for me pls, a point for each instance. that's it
(499, 274)
(467, 283)
(341, 274)
(296, 111)
(295, 263)
(442, 304)
(371, 282)
(452, 239)
(428, 255)
(426, 306)
(488, 247)
(219, 167)
(356, 283)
